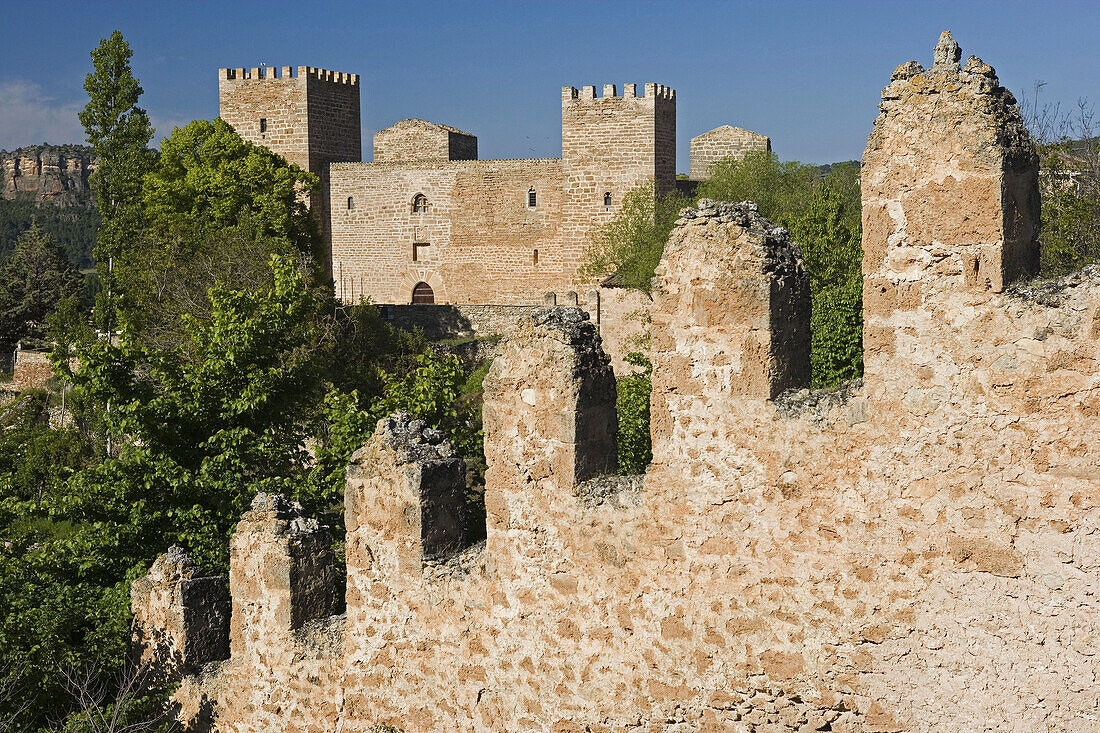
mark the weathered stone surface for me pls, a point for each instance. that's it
(917, 552)
(281, 574)
(53, 174)
(181, 619)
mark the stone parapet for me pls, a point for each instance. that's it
(917, 552)
(281, 574)
(181, 619)
(950, 212)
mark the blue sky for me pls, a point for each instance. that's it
(808, 74)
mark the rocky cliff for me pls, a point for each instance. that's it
(54, 174)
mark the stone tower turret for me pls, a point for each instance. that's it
(609, 145)
(309, 116)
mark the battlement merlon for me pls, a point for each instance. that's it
(630, 91)
(270, 73)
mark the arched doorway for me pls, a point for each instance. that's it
(423, 294)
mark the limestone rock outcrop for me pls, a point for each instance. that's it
(54, 174)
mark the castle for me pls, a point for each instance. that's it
(427, 222)
(919, 551)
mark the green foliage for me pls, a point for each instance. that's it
(781, 190)
(169, 282)
(73, 228)
(119, 132)
(828, 231)
(363, 349)
(432, 393)
(207, 176)
(208, 424)
(632, 404)
(631, 244)
(1070, 189)
(32, 281)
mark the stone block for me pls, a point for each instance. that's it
(181, 619)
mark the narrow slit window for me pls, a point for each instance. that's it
(607, 199)
(535, 257)
(351, 202)
(532, 199)
(263, 124)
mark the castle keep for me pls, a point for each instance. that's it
(427, 221)
(919, 551)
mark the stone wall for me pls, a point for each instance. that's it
(32, 369)
(610, 144)
(410, 140)
(919, 551)
(478, 237)
(481, 240)
(723, 143)
(621, 316)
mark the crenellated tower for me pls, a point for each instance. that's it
(309, 116)
(609, 145)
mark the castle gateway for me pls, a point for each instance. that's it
(427, 222)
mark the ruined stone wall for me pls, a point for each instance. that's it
(479, 234)
(723, 143)
(915, 552)
(32, 369)
(410, 140)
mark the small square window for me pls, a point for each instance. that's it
(420, 251)
(607, 199)
(263, 124)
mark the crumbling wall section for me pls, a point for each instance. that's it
(181, 618)
(731, 327)
(916, 552)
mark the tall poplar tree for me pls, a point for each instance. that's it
(119, 132)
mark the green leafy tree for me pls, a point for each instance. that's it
(205, 426)
(1069, 182)
(32, 282)
(829, 234)
(632, 404)
(207, 176)
(631, 244)
(780, 189)
(119, 132)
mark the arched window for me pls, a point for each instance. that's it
(351, 202)
(532, 199)
(423, 294)
(607, 199)
(420, 203)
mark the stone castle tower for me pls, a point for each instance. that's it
(609, 145)
(309, 116)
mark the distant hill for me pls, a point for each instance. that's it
(827, 168)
